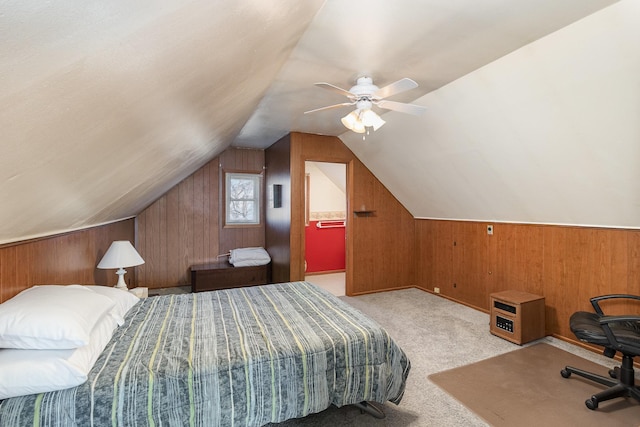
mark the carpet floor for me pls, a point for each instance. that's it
(525, 388)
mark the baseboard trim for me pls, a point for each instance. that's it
(320, 273)
(452, 299)
(375, 291)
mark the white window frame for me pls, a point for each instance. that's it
(256, 199)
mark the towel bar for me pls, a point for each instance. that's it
(330, 224)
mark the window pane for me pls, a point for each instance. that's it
(243, 192)
(242, 211)
(241, 188)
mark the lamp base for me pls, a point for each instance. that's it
(121, 283)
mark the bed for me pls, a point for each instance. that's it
(243, 357)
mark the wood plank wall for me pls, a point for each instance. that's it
(377, 259)
(62, 259)
(185, 226)
(278, 220)
(567, 265)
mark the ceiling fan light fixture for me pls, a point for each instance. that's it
(370, 119)
(364, 95)
(359, 128)
(378, 123)
(360, 120)
(350, 120)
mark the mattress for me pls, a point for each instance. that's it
(244, 357)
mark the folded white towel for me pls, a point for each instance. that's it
(245, 257)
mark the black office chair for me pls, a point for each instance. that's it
(614, 333)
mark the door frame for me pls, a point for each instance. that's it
(348, 234)
(308, 202)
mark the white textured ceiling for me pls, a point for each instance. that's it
(547, 134)
(433, 42)
(104, 106)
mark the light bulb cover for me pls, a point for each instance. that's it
(371, 119)
(350, 120)
(359, 127)
(362, 118)
(367, 117)
(378, 122)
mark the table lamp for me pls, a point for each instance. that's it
(120, 254)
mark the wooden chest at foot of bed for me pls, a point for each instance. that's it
(222, 275)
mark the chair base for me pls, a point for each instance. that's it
(621, 383)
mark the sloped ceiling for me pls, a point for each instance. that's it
(547, 134)
(335, 172)
(107, 105)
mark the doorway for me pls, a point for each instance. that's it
(325, 225)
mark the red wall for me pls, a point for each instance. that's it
(325, 248)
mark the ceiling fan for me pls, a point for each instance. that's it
(365, 95)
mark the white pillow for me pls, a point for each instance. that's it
(246, 257)
(25, 372)
(51, 317)
(123, 300)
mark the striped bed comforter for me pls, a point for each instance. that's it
(238, 357)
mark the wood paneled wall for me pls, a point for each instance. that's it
(62, 259)
(185, 226)
(278, 220)
(377, 257)
(567, 265)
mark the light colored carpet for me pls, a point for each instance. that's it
(525, 388)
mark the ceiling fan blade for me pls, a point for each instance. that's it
(329, 107)
(402, 108)
(336, 89)
(394, 88)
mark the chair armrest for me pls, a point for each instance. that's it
(596, 300)
(604, 321)
(613, 319)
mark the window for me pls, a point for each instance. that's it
(242, 198)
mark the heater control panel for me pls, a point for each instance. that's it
(504, 324)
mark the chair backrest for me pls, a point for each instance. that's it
(614, 333)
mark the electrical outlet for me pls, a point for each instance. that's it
(489, 230)
(436, 290)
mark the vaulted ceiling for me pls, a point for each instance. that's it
(532, 105)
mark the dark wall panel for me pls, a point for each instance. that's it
(185, 226)
(278, 220)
